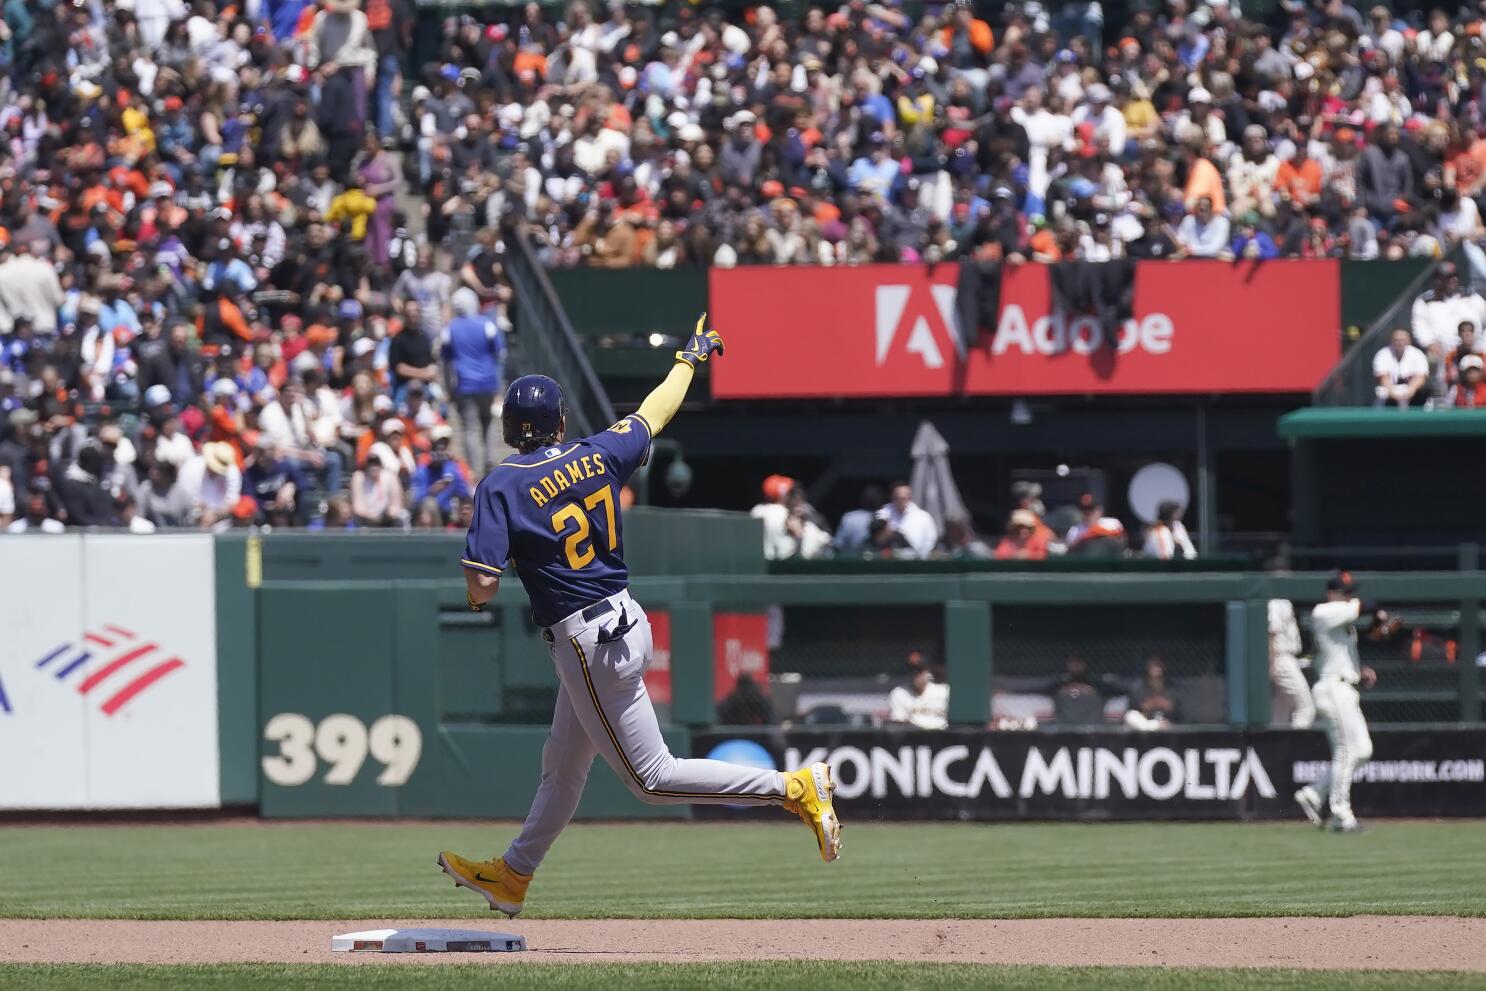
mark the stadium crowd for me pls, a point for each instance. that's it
(893, 525)
(218, 299)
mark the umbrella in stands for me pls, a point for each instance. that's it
(934, 487)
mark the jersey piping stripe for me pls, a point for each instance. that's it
(537, 464)
(483, 567)
(645, 423)
(624, 757)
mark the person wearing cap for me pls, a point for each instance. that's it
(1095, 533)
(1026, 538)
(1198, 123)
(1401, 371)
(389, 441)
(772, 510)
(923, 703)
(1338, 704)
(212, 483)
(275, 483)
(1470, 390)
(440, 476)
(1099, 112)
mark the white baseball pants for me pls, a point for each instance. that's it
(1290, 681)
(1340, 709)
(603, 709)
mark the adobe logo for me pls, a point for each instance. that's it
(929, 321)
(1057, 332)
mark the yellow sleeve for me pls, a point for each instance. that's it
(665, 399)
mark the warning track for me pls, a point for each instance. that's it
(1359, 942)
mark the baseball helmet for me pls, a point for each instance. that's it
(533, 413)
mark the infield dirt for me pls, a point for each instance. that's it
(1358, 942)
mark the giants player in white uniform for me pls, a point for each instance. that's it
(1338, 705)
(1285, 665)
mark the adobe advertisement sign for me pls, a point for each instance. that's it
(889, 330)
(973, 774)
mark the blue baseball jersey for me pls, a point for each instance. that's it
(553, 515)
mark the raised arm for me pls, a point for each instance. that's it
(665, 399)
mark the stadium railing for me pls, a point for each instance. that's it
(548, 343)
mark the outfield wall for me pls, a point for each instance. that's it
(966, 774)
(343, 676)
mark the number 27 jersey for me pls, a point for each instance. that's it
(553, 515)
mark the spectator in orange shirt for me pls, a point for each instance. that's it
(1470, 391)
(1469, 163)
(1025, 538)
(1300, 176)
(968, 38)
(1203, 177)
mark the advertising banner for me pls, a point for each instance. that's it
(740, 646)
(108, 672)
(889, 330)
(974, 774)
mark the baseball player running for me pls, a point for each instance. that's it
(1338, 705)
(551, 511)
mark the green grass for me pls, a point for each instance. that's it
(386, 871)
(710, 977)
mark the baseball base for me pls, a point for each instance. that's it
(427, 941)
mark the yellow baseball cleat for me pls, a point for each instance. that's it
(502, 887)
(807, 793)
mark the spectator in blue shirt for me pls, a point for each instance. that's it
(275, 483)
(474, 349)
(1253, 242)
(226, 267)
(441, 477)
(874, 172)
(114, 310)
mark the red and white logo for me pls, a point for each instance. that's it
(924, 322)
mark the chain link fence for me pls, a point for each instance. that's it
(1417, 654)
